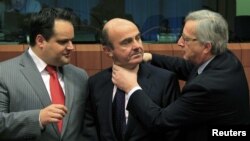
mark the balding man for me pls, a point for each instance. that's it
(121, 41)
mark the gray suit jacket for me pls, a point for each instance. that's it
(23, 94)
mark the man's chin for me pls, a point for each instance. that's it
(66, 60)
(136, 62)
(137, 57)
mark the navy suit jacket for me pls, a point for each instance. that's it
(160, 85)
(216, 97)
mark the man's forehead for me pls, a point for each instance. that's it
(117, 22)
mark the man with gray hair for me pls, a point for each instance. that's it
(216, 91)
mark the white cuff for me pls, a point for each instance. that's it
(133, 90)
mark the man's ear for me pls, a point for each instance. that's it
(108, 51)
(208, 47)
(40, 40)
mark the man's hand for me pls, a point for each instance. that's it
(124, 79)
(147, 57)
(52, 113)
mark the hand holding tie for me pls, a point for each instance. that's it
(52, 114)
(57, 110)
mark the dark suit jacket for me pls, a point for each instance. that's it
(23, 94)
(160, 85)
(217, 97)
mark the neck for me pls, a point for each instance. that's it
(132, 67)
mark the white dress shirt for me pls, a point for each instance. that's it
(41, 65)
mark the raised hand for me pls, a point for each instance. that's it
(147, 57)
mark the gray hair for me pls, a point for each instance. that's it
(211, 28)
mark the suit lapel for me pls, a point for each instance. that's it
(144, 77)
(33, 76)
(108, 89)
(69, 91)
(145, 83)
(192, 75)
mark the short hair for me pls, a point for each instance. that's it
(43, 22)
(211, 28)
(105, 39)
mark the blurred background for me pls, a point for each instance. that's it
(159, 21)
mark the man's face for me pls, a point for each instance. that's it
(58, 48)
(193, 49)
(128, 49)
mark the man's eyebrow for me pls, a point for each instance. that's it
(126, 40)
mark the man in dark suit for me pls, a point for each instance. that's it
(216, 91)
(29, 109)
(122, 42)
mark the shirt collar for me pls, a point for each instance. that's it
(40, 64)
(203, 66)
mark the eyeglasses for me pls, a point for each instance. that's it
(187, 39)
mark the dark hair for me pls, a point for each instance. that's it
(43, 22)
(105, 39)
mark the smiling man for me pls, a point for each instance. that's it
(42, 96)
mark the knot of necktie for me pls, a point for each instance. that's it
(51, 70)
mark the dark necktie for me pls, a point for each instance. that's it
(119, 121)
(56, 91)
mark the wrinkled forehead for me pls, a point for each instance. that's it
(121, 31)
(190, 27)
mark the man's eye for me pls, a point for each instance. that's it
(139, 39)
(62, 42)
(125, 42)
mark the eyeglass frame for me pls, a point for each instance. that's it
(187, 39)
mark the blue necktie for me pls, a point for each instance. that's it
(119, 121)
